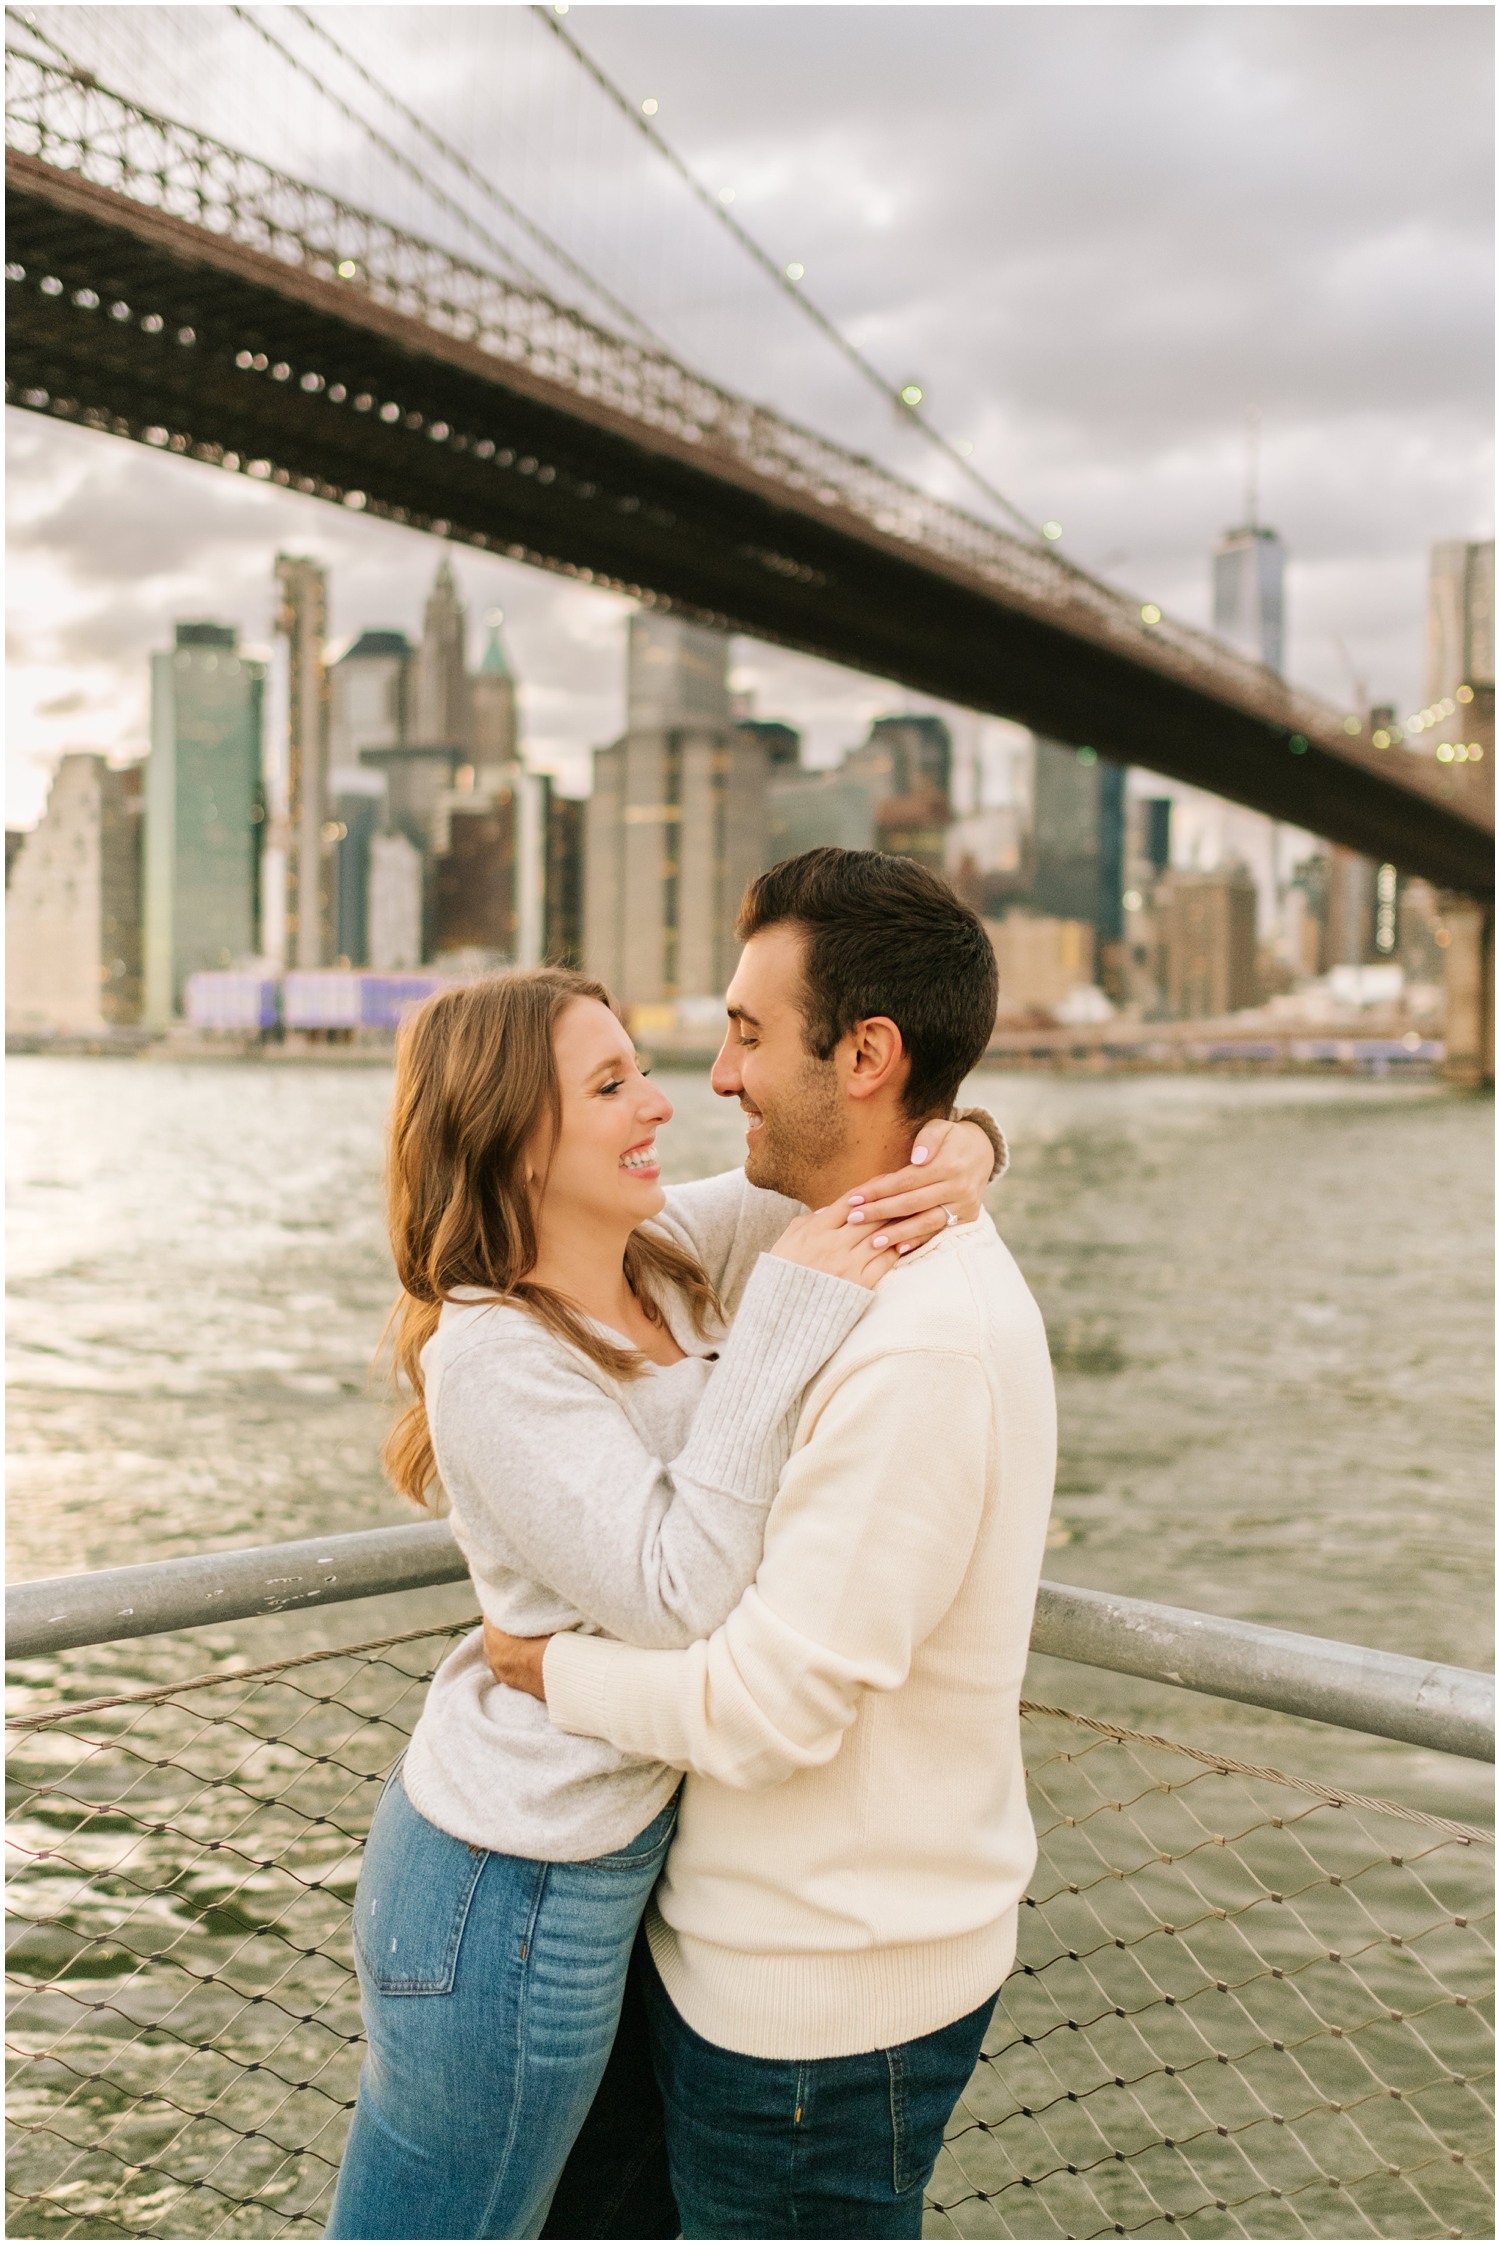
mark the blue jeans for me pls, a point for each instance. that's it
(491, 1988)
(815, 2147)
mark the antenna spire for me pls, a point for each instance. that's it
(1252, 464)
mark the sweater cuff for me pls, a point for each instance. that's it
(790, 1321)
(983, 1120)
(599, 1688)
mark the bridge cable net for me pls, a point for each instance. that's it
(568, 272)
(67, 117)
(1244, 2005)
(582, 187)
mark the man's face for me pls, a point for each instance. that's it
(796, 1114)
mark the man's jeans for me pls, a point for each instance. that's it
(819, 2147)
(491, 1989)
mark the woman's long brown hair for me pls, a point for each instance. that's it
(475, 1079)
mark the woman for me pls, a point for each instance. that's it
(609, 1447)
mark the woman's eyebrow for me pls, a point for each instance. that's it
(605, 1068)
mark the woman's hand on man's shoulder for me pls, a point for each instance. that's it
(828, 1239)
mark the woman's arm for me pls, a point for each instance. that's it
(870, 1542)
(725, 1221)
(547, 1475)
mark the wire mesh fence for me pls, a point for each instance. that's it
(1243, 2006)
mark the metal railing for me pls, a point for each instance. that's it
(1422, 1703)
(1245, 2004)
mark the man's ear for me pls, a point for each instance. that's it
(876, 1058)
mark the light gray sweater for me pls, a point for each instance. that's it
(633, 1509)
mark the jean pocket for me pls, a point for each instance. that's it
(412, 1902)
(653, 1841)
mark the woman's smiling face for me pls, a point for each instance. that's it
(603, 1167)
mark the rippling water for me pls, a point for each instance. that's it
(1269, 1305)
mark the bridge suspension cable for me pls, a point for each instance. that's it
(773, 272)
(439, 195)
(485, 186)
(34, 30)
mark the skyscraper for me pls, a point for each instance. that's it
(489, 828)
(440, 714)
(563, 886)
(492, 704)
(908, 763)
(1206, 928)
(73, 908)
(359, 797)
(676, 822)
(474, 875)
(1249, 572)
(818, 810)
(1078, 838)
(368, 690)
(203, 812)
(304, 936)
(1460, 617)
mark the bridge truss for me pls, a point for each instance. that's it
(168, 289)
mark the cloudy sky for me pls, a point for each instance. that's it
(1094, 235)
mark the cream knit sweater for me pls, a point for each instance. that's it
(854, 1839)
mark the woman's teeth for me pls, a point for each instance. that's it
(644, 1157)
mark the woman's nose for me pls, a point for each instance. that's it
(656, 1106)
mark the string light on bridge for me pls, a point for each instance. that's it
(911, 393)
(1150, 613)
(649, 106)
(784, 275)
(347, 269)
(1051, 529)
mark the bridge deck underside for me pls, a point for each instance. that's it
(523, 467)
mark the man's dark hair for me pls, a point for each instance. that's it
(885, 936)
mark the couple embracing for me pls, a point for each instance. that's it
(752, 1476)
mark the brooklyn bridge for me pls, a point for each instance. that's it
(164, 288)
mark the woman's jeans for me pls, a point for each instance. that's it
(491, 1990)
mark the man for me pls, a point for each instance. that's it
(839, 1908)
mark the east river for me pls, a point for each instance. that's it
(1269, 1306)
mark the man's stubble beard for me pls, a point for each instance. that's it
(801, 1134)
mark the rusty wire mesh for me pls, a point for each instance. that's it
(1242, 2007)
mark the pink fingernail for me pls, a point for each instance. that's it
(904, 1248)
(919, 1155)
(856, 1200)
(880, 1240)
(855, 1216)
